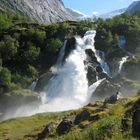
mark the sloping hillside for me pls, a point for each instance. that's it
(41, 11)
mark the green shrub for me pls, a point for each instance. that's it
(8, 47)
(5, 21)
(55, 44)
(31, 53)
(5, 77)
(32, 72)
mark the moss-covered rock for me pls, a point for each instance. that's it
(105, 89)
(112, 122)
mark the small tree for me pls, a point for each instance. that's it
(108, 39)
(115, 39)
(32, 72)
(55, 44)
(8, 47)
(32, 53)
(5, 77)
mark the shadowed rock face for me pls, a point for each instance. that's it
(64, 127)
(41, 11)
(82, 116)
(70, 46)
(136, 123)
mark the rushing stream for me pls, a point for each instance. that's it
(68, 87)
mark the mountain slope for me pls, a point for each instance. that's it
(135, 6)
(77, 14)
(41, 11)
(112, 13)
(132, 8)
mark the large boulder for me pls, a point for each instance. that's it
(82, 116)
(95, 117)
(91, 57)
(105, 89)
(113, 98)
(136, 123)
(64, 126)
(45, 133)
(91, 64)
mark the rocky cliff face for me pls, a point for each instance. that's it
(135, 6)
(41, 11)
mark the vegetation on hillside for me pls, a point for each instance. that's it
(103, 122)
(28, 50)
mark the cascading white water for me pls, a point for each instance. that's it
(101, 59)
(100, 55)
(124, 59)
(68, 88)
(33, 85)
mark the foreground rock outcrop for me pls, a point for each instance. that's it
(136, 122)
(113, 121)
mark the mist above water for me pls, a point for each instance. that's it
(68, 87)
(124, 59)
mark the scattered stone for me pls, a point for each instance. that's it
(95, 117)
(126, 125)
(82, 116)
(136, 123)
(64, 126)
(113, 98)
(45, 133)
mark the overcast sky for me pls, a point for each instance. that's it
(92, 6)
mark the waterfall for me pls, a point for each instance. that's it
(33, 85)
(101, 59)
(100, 55)
(61, 54)
(124, 59)
(68, 88)
(122, 42)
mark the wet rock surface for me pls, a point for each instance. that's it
(136, 123)
(82, 116)
(42, 11)
(64, 126)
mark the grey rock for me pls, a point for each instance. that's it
(113, 98)
(134, 7)
(75, 14)
(82, 116)
(41, 11)
(136, 123)
(95, 117)
(103, 75)
(64, 126)
(45, 133)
